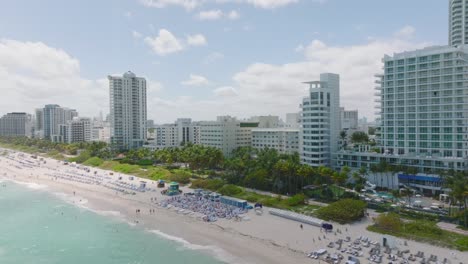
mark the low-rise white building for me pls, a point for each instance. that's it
(226, 133)
(284, 140)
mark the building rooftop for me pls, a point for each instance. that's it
(278, 129)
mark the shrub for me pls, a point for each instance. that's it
(84, 156)
(94, 161)
(145, 162)
(180, 178)
(209, 184)
(298, 199)
(230, 190)
(125, 168)
(343, 211)
(269, 201)
(389, 221)
(426, 227)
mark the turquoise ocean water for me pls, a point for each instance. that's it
(39, 228)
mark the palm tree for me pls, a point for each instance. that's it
(458, 184)
(343, 135)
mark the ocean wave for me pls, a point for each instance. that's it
(107, 213)
(31, 185)
(217, 252)
(72, 200)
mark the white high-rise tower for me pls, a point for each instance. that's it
(458, 32)
(127, 111)
(320, 121)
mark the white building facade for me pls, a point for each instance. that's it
(284, 140)
(349, 119)
(226, 133)
(128, 111)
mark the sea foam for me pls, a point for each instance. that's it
(31, 185)
(217, 252)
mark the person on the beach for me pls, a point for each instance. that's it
(302, 227)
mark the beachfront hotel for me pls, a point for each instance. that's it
(16, 125)
(320, 121)
(422, 101)
(128, 112)
(422, 104)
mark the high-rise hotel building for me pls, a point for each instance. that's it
(320, 121)
(128, 112)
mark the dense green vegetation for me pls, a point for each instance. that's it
(268, 170)
(343, 211)
(419, 230)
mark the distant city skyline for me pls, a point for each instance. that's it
(202, 59)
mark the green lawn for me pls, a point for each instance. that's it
(426, 231)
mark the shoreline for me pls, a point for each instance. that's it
(262, 239)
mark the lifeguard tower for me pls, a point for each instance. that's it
(173, 189)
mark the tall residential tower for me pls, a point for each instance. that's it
(458, 31)
(128, 113)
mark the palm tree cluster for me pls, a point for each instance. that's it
(268, 170)
(196, 156)
(93, 149)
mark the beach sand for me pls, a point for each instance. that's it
(262, 239)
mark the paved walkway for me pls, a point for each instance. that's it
(452, 228)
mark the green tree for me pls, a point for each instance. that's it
(359, 137)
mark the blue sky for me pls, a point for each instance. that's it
(245, 57)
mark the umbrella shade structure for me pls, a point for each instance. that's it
(233, 202)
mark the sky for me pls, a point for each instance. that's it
(204, 58)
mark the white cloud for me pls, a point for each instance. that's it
(192, 4)
(34, 74)
(262, 89)
(233, 15)
(196, 80)
(299, 48)
(128, 14)
(165, 43)
(153, 87)
(405, 32)
(217, 14)
(270, 4)
(196, 40)
(213, 57)
(210, 15)
(136, 34)
(187, 4)
(225, 91)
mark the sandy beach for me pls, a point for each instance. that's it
(261, 239)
